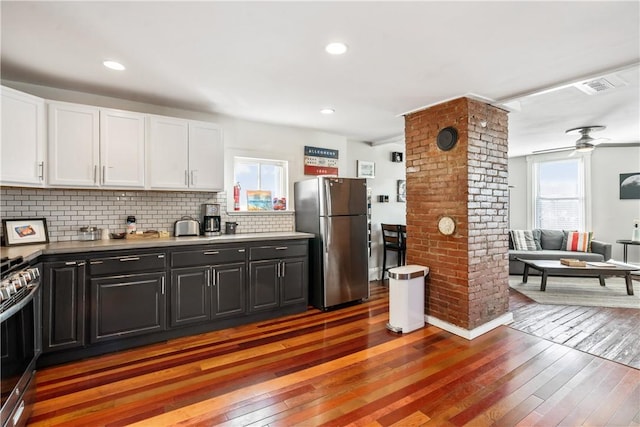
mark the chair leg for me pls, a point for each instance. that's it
(384, 263)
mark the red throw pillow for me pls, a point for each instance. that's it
(579, 242)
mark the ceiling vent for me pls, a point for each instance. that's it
(600, 84)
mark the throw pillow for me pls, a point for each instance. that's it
(578, 242)
(523, 240)
(552, 239)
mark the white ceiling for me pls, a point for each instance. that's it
(265, 61)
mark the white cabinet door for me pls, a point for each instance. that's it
(23, 139)
(206, 157)
(168, 153)
(122, 139)
(74, 144)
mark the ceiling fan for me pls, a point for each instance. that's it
(584, 144)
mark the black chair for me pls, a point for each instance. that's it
(403, 243)
(392, 241)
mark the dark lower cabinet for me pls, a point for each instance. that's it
(199, 294)
(127, 305)
(293, 288)
(278, 275)
(63, 305)
(120, 299)
(228, 294)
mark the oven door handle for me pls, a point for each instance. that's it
(23, 302)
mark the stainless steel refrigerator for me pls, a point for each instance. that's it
(335, 211)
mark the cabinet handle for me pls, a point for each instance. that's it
(133, 258)
(80, 264)
(283, 266)
(215, 277)
(186, 177)
(104, 174)
(241, 250)
(70, 263)
(211, 253)
(95, 173)
(193, 176)
(162, 282)
(95, 262)
(282, 248)
(160, 256)
(41, 167)
(208, 278)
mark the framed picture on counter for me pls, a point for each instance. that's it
(25, 231)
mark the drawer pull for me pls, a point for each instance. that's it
(212, 253)
(160, 256)
(133, 258)
(282, 248)
(241, 250)
(70, 263)
(95, 262)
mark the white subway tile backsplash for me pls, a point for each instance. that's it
(68, 210)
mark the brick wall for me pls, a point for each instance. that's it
(68, 210)
(468, 280)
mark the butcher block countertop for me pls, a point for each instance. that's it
(29, 252)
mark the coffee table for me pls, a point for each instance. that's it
(555, 268)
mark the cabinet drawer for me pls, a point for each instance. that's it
(209, 256)
(126, 264)
(283, 250)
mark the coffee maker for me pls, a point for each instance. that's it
(210, 219)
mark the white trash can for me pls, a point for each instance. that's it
(406, 298)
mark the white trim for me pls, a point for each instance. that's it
(469, 95)
(505, 319)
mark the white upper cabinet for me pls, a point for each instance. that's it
(23, 143)
(206, 156)
(74, 145)
(122, 144)
(185, 154)
(92, 147)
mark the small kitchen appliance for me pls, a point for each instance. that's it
(186, 226)
(211, 219)
(230, 227)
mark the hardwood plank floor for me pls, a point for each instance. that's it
(611, 333)
(342, 368)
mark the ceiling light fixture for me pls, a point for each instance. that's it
(336, 48)
(113, 65)
(327, 111)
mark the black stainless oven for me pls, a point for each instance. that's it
(21, 341)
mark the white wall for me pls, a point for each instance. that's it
(612, 218)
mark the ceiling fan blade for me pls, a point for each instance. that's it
(554, 150)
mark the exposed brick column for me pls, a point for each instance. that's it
(468, 280)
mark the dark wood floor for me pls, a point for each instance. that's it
(340, 368)
(611, 333)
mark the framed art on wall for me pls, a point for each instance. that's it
(25, 231)
(630, 185)
(402, 190)
(366, 169)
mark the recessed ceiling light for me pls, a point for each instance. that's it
(113, 65)
(327, 111)
(336, 48)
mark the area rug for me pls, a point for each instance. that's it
(583, 291)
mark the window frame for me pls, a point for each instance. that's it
(584, 187)
(284, 180)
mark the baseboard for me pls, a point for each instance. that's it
(505, 319)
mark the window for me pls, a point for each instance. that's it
(559, 199)
(261, 174)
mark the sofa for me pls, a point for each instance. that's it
(552, 244)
